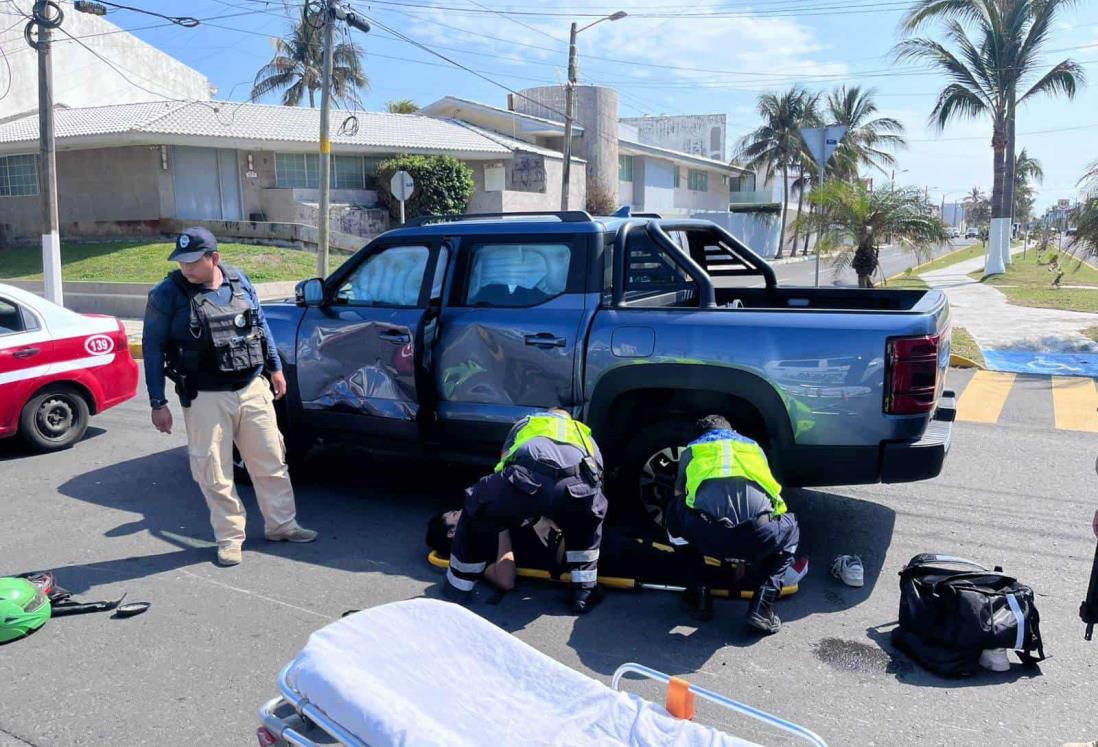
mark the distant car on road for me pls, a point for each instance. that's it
(954, 232)
(972, 233)
(57, 368)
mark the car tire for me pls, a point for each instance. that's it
(54, 419)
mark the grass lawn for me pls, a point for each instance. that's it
(147, 262)
(907, 282)
(1028, 282)
(965, 346)
(1092, 333)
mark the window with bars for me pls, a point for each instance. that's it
(698, 181)
(625, 168)
(302, 171)
(18, 176)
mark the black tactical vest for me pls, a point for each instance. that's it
(224, 344)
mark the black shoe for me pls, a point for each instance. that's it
(700, 602)
(585, 600)
(454, 594)
(760, 615)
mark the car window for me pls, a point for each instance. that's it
(649, 266)
(11, 320)
(392, 277)
(517, 274)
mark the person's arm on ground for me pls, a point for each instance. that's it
(502, 573)
(273, 364)
(154, 336)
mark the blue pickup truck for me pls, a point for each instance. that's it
(435, 337)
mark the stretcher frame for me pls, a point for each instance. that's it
(304, 714)
(615, 582)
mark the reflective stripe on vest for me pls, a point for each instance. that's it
(728, 458)
(560, 430)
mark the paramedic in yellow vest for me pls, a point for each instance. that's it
(727, 504)
(550, 466)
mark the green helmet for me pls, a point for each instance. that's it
(23, 608)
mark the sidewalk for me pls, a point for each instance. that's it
(1017, 339)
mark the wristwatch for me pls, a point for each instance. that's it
(158, 403)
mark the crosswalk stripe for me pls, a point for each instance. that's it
(983, 399)
(1075, 403)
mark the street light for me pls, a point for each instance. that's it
(902, 171)
(569, 105)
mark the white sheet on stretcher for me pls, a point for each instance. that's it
(425, 672)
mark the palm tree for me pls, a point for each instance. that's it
(401, 106)
(979, 209)
(777, 146)
(988, 75)
(1027, 170)
(866, 134)
(1086, 217)
(851, 219)
(298, 65)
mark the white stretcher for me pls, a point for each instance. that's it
(426, 672)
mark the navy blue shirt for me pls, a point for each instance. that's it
(167, 318)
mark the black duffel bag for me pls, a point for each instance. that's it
(952, 609)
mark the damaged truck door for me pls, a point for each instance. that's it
(359, 350)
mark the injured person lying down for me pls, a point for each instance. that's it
(627, 555)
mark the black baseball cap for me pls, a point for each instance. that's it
(192, 244)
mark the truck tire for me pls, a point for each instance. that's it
(650, 467)
(651, 463)
(54, 419)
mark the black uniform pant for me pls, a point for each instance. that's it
(770, 546)
(515, 495)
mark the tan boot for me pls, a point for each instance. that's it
(293, 533)
(229, 555)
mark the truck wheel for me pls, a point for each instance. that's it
(54, 419)
(651, 466)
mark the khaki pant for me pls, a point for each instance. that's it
(214, 421)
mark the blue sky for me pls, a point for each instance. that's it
(764, 46)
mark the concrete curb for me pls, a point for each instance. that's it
(959, 361)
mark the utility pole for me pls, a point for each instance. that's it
(570, 103)
(569, 109)
(332, 12)
(45, 17)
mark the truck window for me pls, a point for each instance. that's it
(650, 273)
(516, 274)
(392, 277)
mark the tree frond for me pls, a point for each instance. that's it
(1066, 77)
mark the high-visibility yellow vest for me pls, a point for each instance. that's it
(557, 429)
(729, 458)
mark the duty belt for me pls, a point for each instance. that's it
(586, 469)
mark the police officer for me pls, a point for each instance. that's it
(550, 466)
(204, 328)
(728, 504)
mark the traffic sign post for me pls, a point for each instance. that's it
(822, 142)
(401, 185)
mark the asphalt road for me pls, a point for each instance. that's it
(119, 513)
(894, 260)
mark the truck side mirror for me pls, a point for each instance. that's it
(309, 292)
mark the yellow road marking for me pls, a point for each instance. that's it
(1075, 403)
(984, 397)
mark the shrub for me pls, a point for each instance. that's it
(600, 201)
(443, 185)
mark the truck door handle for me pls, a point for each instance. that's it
(396, 337)
(545, 340)
(26, 353)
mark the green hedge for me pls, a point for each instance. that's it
(443, 185)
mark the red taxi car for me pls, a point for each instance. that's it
(57, 368)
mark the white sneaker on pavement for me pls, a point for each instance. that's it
(995, 659)
(849, 570)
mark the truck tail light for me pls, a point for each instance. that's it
(911, 384)
(266, 739)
